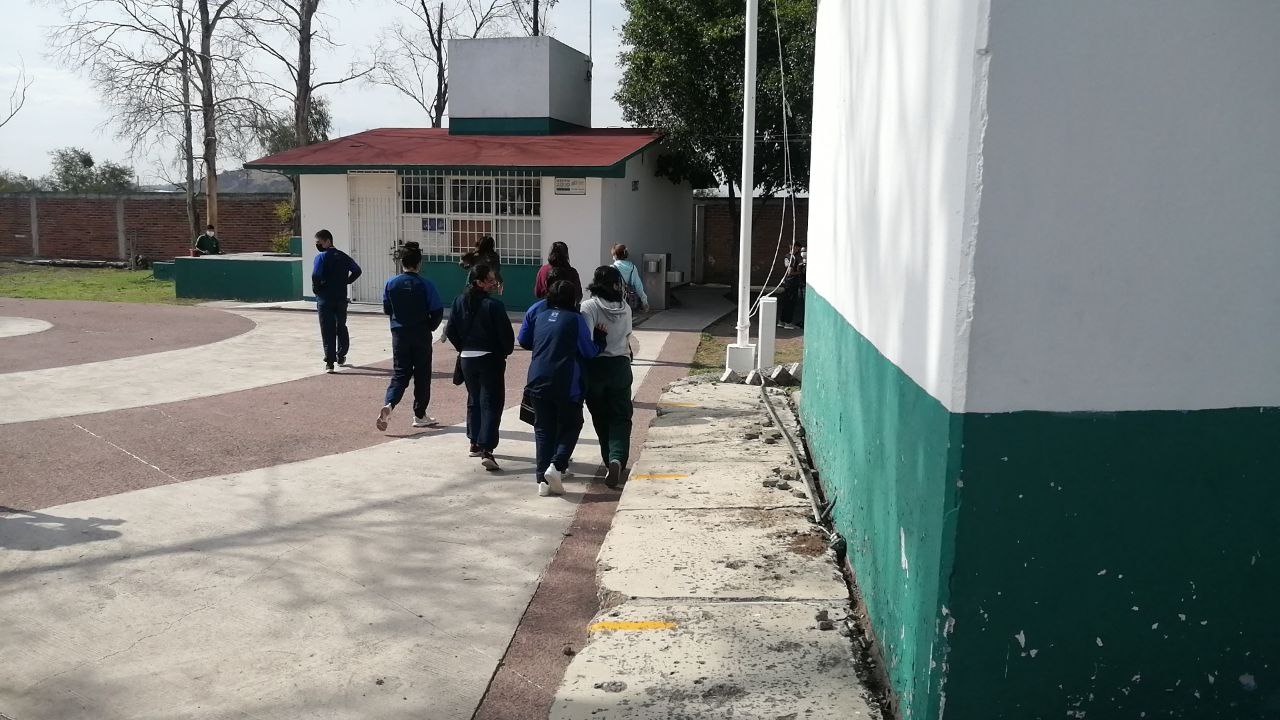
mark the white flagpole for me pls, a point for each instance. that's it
(740, 357)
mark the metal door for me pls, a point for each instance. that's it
(375, 231)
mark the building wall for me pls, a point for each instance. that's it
(534, 77)
(772, 219)
(1044, 269)
(324, 204)
(655, 217)
(89, 227)
(576, 221)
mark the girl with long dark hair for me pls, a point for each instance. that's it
(484, 253)
(481, 332)
(557, 258)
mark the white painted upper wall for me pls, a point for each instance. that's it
(654, 217)
(894, 177)
(324, 205)
(574, 220)
(1128, 253)
(519, 77)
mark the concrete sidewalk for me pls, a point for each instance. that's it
(720, 596)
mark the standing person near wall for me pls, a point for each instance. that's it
(484, 253)
(561, 342)
(331, 273)
(557, 258)
(207, 243)
(416, 310)
(792, 284)
(481, 332)
(609, 373)
(633, 284)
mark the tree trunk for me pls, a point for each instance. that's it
(207, 110)
(442, 76)
(188, 143)
(302, 101)
(536, 30)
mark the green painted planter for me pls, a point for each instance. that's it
(254, 277)
(162, 270)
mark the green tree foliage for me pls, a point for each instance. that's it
(17, 182)
(682, 73)
(278, 134)
(75, 170)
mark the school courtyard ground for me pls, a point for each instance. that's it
(196, 521)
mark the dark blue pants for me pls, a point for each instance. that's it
(486, 378)
(333, 329)
(410, 358)
(556, 425)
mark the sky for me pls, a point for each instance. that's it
(62, 108)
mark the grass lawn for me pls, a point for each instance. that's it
(101, 284)
(788, 348)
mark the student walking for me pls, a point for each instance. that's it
(331, 273)
(481, 332)
(561, 342)
(415, 310)
(633, 284)
(609, 373)
(557, 258)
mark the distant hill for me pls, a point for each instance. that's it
(237, 181)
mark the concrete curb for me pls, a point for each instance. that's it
(720, 597)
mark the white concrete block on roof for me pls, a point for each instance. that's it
(724, 554)
(714, 660)
(519, 77)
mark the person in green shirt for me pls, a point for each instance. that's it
(207, 243)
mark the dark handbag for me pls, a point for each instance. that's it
(526, 408)
(631, 297)
(457, 371)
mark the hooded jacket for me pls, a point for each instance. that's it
(631, 276)
(616, 317)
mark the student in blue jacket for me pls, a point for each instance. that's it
(331, 273)
(416, 310)
(481, 331)
(561, 342)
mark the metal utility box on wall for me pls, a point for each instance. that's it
(653, 271)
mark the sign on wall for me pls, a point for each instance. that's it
(571, 186)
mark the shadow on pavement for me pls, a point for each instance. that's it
(35, 531)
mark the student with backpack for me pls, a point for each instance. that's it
(633, 284)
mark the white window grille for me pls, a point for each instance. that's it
(447, 213)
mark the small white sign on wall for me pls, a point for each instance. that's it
(571, 186)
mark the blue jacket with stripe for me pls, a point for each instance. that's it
(561, 342)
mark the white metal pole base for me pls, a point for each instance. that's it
(740, 358)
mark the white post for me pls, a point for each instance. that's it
(740, 357)
(767, 317)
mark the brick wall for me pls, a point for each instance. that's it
(721, 255)
(87, 227)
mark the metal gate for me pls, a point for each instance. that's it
(375, 231)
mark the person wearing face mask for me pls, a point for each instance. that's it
(331, 273)
(207, 244)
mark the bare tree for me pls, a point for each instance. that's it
(298, 20)
(417, 66)
(18, 97)
(150, 60)
(533, 15)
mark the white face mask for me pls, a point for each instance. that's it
(210, 233)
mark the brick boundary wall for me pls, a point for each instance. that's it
(720, 253)
(101, 227)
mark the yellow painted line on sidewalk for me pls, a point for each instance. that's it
(631, 625)
(659, 476)
(678, 404)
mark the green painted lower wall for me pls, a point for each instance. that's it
(162, 270)
(1078, 565)
(450, 279)
(231, 277)
(889, 453)
(1136, 553)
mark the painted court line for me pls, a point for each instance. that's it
(630, 625)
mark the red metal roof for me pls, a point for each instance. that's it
(399, 147)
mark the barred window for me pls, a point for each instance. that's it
(448, 213)
(422, 194)
(471, 196)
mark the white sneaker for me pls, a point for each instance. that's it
(544, 489)
(382, 417)
(553, 477)
(489, 463)
(425, 421)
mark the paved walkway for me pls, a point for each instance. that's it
(382, 580)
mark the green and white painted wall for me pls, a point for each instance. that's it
(1044, 249)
